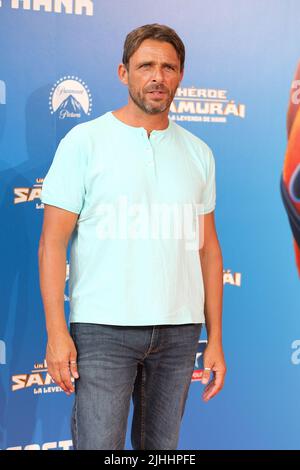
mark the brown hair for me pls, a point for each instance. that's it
(152, 31)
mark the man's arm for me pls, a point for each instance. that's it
(212, 271)
(57, 228)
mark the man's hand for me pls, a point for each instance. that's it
(61, 357)
(213, 359)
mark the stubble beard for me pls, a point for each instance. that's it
(148, 107)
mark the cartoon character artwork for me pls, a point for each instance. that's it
(290, 178)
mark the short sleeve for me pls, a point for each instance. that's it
(209, 192)
(63, 185)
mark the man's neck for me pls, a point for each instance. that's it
(134, 116)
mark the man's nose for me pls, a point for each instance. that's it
(158, 75)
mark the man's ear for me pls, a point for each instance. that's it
(123, 74)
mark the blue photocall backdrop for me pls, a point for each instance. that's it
(240, 62)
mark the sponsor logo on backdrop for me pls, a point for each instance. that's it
(38, 381)
(70, 97)
(234, 279)
(2, 92)
(205, 105)
(71, 7)
(23, 194)
(62, 445)
(295, 357)
(2, 352)
(198, 367)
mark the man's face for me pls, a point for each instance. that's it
(153, 76)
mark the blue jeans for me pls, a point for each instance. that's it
(151, 364)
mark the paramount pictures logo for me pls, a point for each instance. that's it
(70, 97)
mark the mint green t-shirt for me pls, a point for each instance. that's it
(132, 256)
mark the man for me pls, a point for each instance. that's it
(136, 299)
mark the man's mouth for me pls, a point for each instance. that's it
(157, 93)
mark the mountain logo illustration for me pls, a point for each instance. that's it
(71, 103)
(70, 97)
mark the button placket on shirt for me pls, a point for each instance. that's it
(149, 152)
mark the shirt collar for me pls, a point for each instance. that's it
(141, 130)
